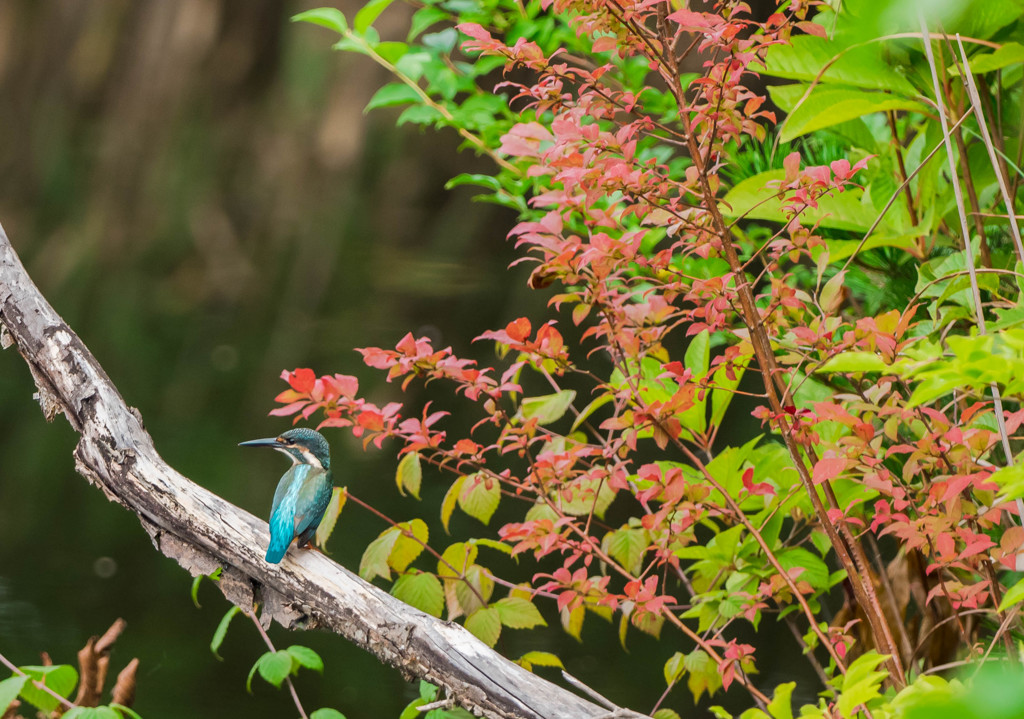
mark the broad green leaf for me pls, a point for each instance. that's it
(327, 17)
(125, 711)
(540, 659)
(9, 689)
(456, 559)
(91, 713)
(409, 475)
(804, 57)
(1009, 54)
(392, 51)
(369, 12)
(327, 713)
(703, 672)
(479, 496)
(627, 546)
(724, 391)
(828, 105)
(451, 498)
(394, 93)
(306, 657)
(275, 666)
(697, 359)
(572, 622)
(406, 549)
(518, 613)
(855, 362)
(675, 668)
(222, 630)
(547, 408)
(330, 518)
(61, 678)
(375, 559)
(756, 198)
(862, 682)
(815, 571)
(421, 590)
(493, 544)
(780, 706)
(477, 584)
(665, 713)
(424, 18)
(1012, 596)
(485, 625)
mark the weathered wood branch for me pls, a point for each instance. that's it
(203, 532)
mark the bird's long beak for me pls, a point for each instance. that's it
(268, 442)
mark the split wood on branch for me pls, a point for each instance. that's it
(202, 532)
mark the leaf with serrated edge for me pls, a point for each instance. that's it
(420, 590)
(409, 475)
(479, 497)
(519, 613)
(330, 518)
(485, 625)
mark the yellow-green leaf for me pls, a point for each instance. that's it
(548, 408)
(675, 668)
(540, 659)
(519, 613)
(421, 590)
(334, 507)
(407, 548)
(375, 558)
(451, 497)
(485, 624)
(409, 475)
(572, 622)
(479, 496)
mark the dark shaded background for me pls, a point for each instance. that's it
(194, 186)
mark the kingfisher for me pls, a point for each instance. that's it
(304, 491)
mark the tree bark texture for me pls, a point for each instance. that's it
(202, 532)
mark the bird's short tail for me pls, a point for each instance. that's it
(275, 552)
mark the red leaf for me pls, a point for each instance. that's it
(302, 380)
(828, 468)
(518, 330)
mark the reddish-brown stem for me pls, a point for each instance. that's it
(270, 646)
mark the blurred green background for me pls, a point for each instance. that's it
(195, 187)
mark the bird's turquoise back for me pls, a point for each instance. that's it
(299, 503)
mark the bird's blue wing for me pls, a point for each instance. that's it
(314, 495)
(283, 511)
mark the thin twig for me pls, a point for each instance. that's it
(270, 645)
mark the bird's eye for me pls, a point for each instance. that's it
(286, 440)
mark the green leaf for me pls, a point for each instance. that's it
(855, 362)
(675, 668)
(627, 546)
(327, 713)
(518, 613)
(815, 571)
(424, 18)
(1012, 596)
(375, 559)
(540, 659)
(451, 498)
(596, 404)
(780, 707)
(804, 56)
(9, 689)
(476, 579)
(370, 12)
(330, 518)
(703, 672)
(125, 711)
(548, 408)
(306, 657)
(428, 691)
(665, 713)
(392, 51)
(756, 198)
(826, 106)
(861, 683)
(479, 496)
(493, 544)
(406, 549)
(421, 590)
(61, 678)
(222, 630)
(724, 389)
(409, 475)
(91, 713)
(394, 93)
(697, 359)
(456, 559)
(485, 624)
(327, 17)
(1009, 54)
(274, 667)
